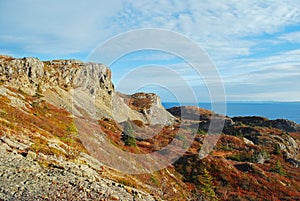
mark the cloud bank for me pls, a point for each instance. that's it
(254, 44)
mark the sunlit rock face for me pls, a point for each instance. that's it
(85, 89)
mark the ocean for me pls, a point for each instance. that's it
(271, 110)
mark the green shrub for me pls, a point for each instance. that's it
(154, 180)
(201, 132)
(3, 113)
(180, 137)
(240, 157)
(39, 89)
(279, 169)
(128, 135)
(71, 129)
(206, 185)
(226, 147)
(277, 149)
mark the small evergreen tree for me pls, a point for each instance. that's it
(277, 149)
(128, 134)
(206, 185)
(279, 169)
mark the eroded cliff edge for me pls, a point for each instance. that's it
(84, 89)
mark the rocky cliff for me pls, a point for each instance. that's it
(85, 89)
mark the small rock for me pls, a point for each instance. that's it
(282, 146)
(13, 143)
(260, 159)
(128, 189)
(282, 183)
(248, 142)
(5, 147)
(114, 197)
(42, 156)
(57, 147)
(31, 155)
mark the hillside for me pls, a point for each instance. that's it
(62, 122)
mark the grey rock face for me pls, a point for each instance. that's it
(30, 67)
(150, 106)
(27, 72)
(85, 89)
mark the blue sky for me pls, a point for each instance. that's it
(255, 45)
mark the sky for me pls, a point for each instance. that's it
(254, 45)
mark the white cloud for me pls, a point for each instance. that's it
(271, 76)
(291, 37)
(225, 29)
(150, 56)
(217, 26)
(60, 27)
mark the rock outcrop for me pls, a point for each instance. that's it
(282, 124)
(191, 113)
(149, 105)
(201, 118)
(85, 89)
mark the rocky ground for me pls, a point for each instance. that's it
(24, 176)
